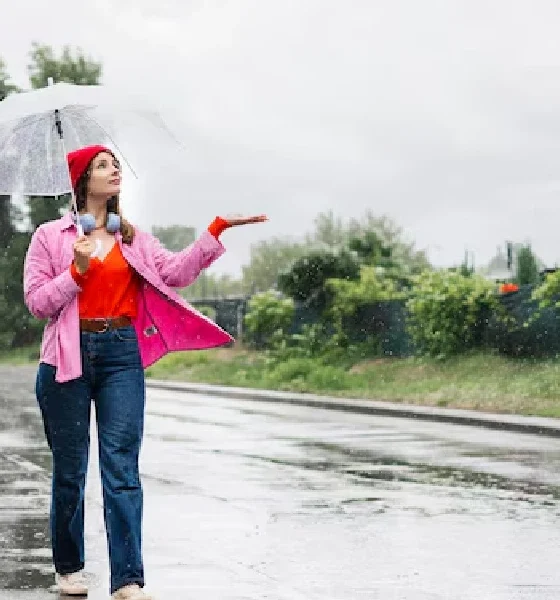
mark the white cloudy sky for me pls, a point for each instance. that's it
(442, 114)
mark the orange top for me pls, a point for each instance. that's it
(110, 286)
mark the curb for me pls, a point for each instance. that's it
(529, 425)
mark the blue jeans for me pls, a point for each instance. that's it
(113, 378)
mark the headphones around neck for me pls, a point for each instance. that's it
(87, 221)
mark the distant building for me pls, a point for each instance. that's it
(497, 269)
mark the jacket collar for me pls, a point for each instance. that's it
(67, 221)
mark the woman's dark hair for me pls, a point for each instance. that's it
(113, 205)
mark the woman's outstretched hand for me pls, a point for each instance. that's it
(234, 221)
(220, 224)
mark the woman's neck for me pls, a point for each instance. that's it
(98, 211)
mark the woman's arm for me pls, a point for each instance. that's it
(44, 293)
(179, 269)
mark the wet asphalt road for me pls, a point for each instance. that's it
(245, 501)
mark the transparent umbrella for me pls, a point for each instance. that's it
(38, 128)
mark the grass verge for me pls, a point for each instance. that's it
(478, 381)
(19, 356)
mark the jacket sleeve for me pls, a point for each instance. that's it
(179, 269)
(44, 293)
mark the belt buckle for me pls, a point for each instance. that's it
(105, 327)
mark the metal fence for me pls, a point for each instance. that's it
(385, 323)
(533, 333)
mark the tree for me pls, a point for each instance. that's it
(268, 259)
(16, 323)
(306, 281)
(333, 232)
(71, 67)
(467, 269)
(11, 221)
(211, 285)
(6, 224)
(391, 236)
(17, 326)
(45, 208)
(6, 229)
(6, 88)
(527, 268)
(371, 250)
(329, 231)
(176, 237)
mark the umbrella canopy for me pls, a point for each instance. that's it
(38, 128)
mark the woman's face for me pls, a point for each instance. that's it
(104, 176)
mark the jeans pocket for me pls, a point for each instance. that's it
(126, 334)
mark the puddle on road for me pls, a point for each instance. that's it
(25, 556)
(373, 470)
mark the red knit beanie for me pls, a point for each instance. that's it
(78, 161)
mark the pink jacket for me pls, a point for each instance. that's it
(165, 322)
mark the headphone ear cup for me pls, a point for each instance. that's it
(88, 222)
(113, 222)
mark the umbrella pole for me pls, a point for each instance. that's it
(58, 125)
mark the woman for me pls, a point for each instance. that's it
(111, 312)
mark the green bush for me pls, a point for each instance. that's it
(527, 267)
(267, 318)
(547, 294)
(306, 281)
(447, 311)
(329, 378)
(349, 297)
(292, 369)
(313, 340)
(523, 329)
(306, 374)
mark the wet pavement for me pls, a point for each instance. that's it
(245, 501)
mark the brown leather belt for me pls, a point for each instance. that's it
(103, 325)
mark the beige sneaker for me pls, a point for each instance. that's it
(73, 584)
(131, 592)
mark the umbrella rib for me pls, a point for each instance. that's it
(18, 125)
(6, 143)
(30, 121)
(14, 134)
(70, 123)
(112, 141)
(157, 117)
(29, 143)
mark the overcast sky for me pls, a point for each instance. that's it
(444, 115)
